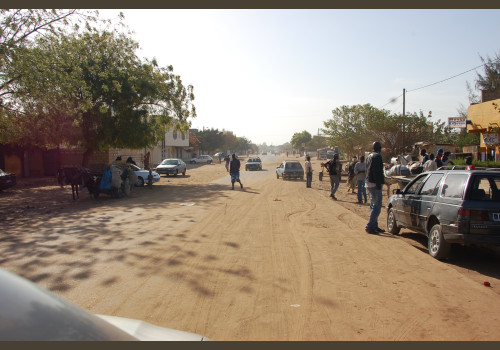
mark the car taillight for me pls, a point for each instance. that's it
(463, 212)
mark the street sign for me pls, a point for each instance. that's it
(457, 122)
(490, 139)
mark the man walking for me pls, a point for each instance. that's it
(360, 171)
(227, 160)
(334, 169)
(309, 171)
(374, 181)
(234, 171)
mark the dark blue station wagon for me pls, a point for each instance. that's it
(449, 207)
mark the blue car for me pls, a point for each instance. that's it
(290, 169)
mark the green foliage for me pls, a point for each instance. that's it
(300, 138)
(97, 93)
(491, 78)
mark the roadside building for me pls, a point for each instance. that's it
(484, 118)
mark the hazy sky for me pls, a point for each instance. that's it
(266, 74)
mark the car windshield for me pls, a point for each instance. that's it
(135, 167)
(169, 162)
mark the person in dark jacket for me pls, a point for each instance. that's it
(234, 171)
(375, 179)
(334, 168)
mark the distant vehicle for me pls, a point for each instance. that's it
(7, 180)
(31, 313)
(290, 170)
(201, 159)
(220, 154)
(172, 166)
(449, 207)
(264, 153)
(142, 175)
(253, 164)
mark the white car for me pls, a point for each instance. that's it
(31, 313)
(142, 175)
(171, 166)
(201, 159)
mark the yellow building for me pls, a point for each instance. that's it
(484, 118)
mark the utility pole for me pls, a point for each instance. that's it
(403, 139)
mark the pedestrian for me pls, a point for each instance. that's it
(150, 179)
(425, 156)
(309, 171)
(360, 171)
(334, 169)
(439, 158)
(374, 182)
(234, 171)
(431, 164)
(469, 166)
(446, 159)
(226, 158)
(351, 177)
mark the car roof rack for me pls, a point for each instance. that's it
(462, 167)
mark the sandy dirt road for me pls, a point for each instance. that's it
(275, 261)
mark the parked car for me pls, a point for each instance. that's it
(172, 166)
(290, 170)
(31, 313)
(142, 175)
(201, 159)
(449, 207)
(6, 180)
(253, 164)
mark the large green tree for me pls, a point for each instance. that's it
(99, 93)
(299, 139)
(19, 29)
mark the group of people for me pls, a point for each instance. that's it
(367, 176)
(431, 162)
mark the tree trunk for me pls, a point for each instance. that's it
(86, 157)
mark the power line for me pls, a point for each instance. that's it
(393, 100)
(423, 87)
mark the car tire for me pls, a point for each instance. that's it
(176, 172)
(277, 176)
(438, 247)
(392, 225)
(184, 172)
(140, 182)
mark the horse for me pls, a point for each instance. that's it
(76, 177)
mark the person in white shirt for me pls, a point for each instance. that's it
(309, 171)
(431, 164)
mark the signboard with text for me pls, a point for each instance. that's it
(490, 139)
(457, 122)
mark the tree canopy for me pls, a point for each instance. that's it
(353, 129)
(91, 90)
(299, 139)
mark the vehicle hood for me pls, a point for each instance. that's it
(148, 332)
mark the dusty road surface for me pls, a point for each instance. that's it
(274, 261)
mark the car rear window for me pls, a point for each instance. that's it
(485, 188)
(293, 166)
(454, 185)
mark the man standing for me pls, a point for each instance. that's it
(335, 170)
(360, 171)
(309, 171)
(226, 159)
(234, 171)
(374, 181)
